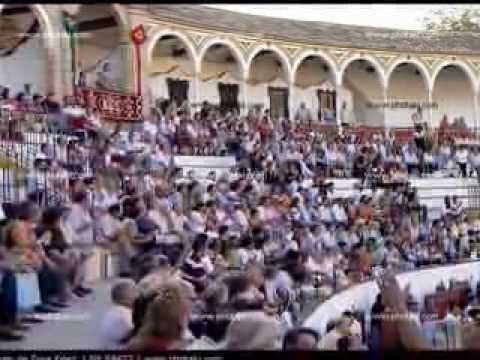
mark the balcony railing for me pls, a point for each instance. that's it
(112, 106)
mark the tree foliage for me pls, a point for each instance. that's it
(462, 20)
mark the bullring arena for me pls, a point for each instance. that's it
(282, 181)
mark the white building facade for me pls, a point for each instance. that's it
(353, 74)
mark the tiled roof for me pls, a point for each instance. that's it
(315, 33)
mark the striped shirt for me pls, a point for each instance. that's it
(193, 269)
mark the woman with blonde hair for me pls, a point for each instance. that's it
(254, 330)
(166, 319)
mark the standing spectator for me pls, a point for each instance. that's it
(303, 114)
(80, 222)
(475, 161)
(461, 157)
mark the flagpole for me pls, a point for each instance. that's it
(138, 38)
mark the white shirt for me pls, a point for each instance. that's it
(242, 258)
(115, 326)
(475, 160)
(410, 158)
(205, 343)
(160, 159)
(428, 158)
(159, 220)
(104, 200)
(328, 240)
(242, 219)
(150, 128)
(77, 219)
(445, 150)
(339, 213)
(331, 156)
(325, 213)
(461, 156)
(207, 263)
(197, 222)
(329, 341)
(109, 227)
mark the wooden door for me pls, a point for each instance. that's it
(278, 102)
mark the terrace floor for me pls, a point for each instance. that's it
(74, 329)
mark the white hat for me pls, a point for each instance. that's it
(110, 201)
(2, 214)
(307, 183)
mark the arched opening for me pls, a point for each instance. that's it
(221, 74)
(314, 83)
(99, 58)
(268, 81)
(171, 71)
(363, 93)
(453, 96)
(23, 51)
(407, 91)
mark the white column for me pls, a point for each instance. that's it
(196, 89)
(244, 97)
(291, 95)
(430, 107)
(338, 104)
(475, 106)
(386, 122)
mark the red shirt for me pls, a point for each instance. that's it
(78, 123)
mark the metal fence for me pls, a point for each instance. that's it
(22, 171)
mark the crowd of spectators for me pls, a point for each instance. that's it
(257, 141)
(228, 262)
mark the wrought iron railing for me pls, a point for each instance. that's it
(112, 106)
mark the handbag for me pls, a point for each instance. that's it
(28, 291)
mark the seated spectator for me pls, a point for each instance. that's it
(117, 323)
(331, 338)
(244, 295)
(166, 319)
(10, 319)
(211, 318)
(197, 266)
(253, 331)
(28, 255)
(301, 339)
(109, 225)
(161, 271)
(60, 252)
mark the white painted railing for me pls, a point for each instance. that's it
(362, 297)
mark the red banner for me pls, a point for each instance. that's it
(112, 106)
(138, 35)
